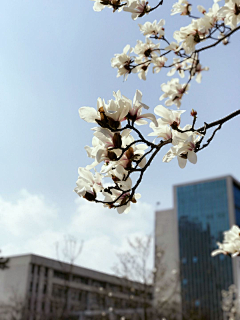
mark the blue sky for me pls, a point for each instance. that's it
(54, 58)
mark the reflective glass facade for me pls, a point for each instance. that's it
(236, 192)
(203, 215)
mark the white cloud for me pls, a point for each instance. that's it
(24, 216)
(32, 225)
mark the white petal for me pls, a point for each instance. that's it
(93, 165)
(126, 48)
(141, 122)
(149, 116)
(142, 163)
(168, 156)
(98, 6)
(215, 252)
(192, 157)
(182, 162)
(161, 111)
(137, 97)
(142, 146)
(125, 208)
(88, 114)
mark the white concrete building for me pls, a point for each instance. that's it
(50, 288)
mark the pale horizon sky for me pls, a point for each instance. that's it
(54, 58)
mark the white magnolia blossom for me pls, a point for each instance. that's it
(134, 153)
(174, 91)
(184, 145)
(92, 152)
(109, 140)
(111, 114)
(88, 184)
(146, 50)
(231, 243)
(182, 6)
(201, 9)
(161, 131)
(107, 114)
(159, 63)
(107, 145)
(179, 67)
(122, 198)
(99, 5)
(231, 13)
(135, 108)
(213, 14)
(138, 8)
(169, 117)
(197, 70)
(122, 61)
(193, 33)
(173, 46)
(118, 173)
(142, 68)
(153, 29)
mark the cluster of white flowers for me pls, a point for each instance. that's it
(174, 91)
(146, 53)
(231, 243)
(184, 143)
(200, 29)
(114, 146)
(229, 12)
(155, 29)
(137, 7)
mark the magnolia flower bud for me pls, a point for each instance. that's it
(112, 156)
(130, 153)
(193, 113)
(90, 196)
(117, 140)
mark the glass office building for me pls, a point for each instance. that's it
(204, 210)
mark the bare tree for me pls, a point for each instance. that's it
(134, 266)
(15, 308)
(67, 256)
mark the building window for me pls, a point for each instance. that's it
(45, 288)
(195, 259)
(46, 272)
(61, 275)
(38, 270)
(80, 279)
(32, 270)
(184, 260)
(197, 303)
